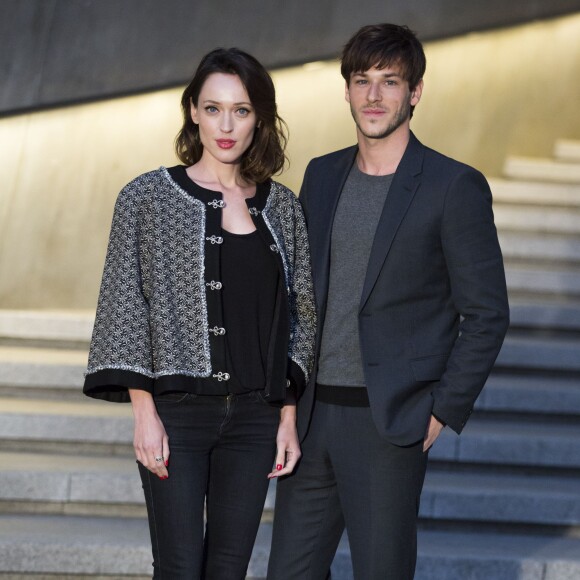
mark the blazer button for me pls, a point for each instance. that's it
(214, 285)
(217, 331)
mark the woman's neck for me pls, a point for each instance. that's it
(224, 176)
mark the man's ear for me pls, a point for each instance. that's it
(346, 93)
(416, 93)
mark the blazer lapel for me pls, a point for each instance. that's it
(401, 193)
(321, 224)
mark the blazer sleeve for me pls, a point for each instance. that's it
(120, 354)
(302, 306)
(478, 288)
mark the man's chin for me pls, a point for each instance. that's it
(376, 134)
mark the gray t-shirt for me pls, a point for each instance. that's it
(353, 231)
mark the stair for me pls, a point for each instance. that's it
(500, 502)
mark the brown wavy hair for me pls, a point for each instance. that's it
(265, 156)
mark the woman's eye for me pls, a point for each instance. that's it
(243, 112)
(211, 109)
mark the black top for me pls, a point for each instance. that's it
(250, 279)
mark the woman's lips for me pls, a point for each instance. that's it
(225, 143)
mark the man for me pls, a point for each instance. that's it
(412, 307)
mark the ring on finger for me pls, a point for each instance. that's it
(159, 458)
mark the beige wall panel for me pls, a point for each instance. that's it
(486, 96)
(61, 191)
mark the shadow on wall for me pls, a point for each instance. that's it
(487, 95)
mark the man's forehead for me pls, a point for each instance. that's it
(393, 69)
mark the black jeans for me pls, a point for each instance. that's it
(221, 450)
(348, 474)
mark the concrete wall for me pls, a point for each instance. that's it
(62, 51)
(486, 96)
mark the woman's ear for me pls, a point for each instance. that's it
(193, 112)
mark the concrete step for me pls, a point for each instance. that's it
(45, 483)
(542, 395)
(543, 315)
(70, 485)
(537, 219)
(541, 444)
(120, 548)
(42, 372)
(532, 248)
(527, 281)
(540, 353)
(54, 327)
(567, 150)
(481, 556)
(98, 486)
(500, 498)
(65, 427)
(535, 193)
(75, 545)
(537, 169)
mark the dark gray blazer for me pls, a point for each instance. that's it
(434, 309)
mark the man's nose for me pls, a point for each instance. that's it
(374, 93)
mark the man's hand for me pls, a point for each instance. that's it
(435, 427)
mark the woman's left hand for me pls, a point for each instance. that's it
(287, 444)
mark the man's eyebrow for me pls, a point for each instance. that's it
(385, 75)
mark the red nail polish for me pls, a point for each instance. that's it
(167, 463)
(278, 467)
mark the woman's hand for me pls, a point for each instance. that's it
(287, 444)
(150, 440)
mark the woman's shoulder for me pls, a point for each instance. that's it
(144, 185)
(147, 180)
(282, 193)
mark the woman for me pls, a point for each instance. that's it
(206, 322)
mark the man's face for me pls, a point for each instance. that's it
(380, 101)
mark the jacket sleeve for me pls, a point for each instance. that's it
(302, 306)
(478, 288)
(120, 353)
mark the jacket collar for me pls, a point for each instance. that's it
(403, 188)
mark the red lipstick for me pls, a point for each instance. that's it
(225, 143)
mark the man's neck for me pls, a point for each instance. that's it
(382, 156)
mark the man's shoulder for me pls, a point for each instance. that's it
(440, 162)
(335, 157)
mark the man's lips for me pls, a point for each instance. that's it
(374, 112)
(225, 143)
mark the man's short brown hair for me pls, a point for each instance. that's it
(384, 45)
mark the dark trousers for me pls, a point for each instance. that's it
(222, 449)
(348, 475)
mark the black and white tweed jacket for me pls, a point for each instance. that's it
(158, 325)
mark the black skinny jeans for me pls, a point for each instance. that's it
(221, 450)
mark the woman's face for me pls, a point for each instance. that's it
(225, 116)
